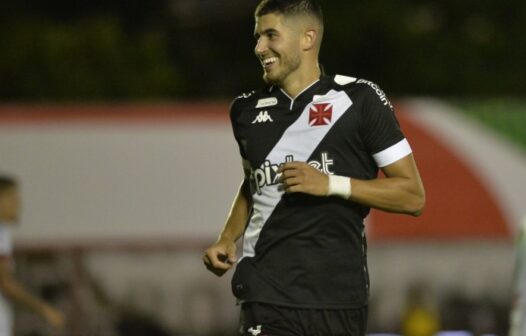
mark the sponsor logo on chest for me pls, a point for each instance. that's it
(268, 173)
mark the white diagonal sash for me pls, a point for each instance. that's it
(299, 140)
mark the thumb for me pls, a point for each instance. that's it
(231, 252)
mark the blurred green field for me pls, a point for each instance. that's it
(506, 116)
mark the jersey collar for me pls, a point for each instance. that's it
(305, 94)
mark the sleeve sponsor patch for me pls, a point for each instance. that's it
(379, 92)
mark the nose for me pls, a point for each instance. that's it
(260, 47)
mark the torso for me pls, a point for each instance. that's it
(301, 250)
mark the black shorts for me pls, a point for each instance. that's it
(259, 319)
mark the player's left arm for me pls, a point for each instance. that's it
(401, 191)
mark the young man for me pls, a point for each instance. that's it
(518, 311)
(311, 146)
(10, 289)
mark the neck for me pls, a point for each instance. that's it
(301, 79)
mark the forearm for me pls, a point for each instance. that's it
(17, 294)
(392, 194)
(238, 216)
(401, 191)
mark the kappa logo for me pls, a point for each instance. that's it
(263, 117)
(320, 114)
(256, 331)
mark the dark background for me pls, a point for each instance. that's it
(111, 50)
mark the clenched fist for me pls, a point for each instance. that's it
(220, 257)
(302, 177)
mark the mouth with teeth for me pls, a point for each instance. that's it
(269, 62)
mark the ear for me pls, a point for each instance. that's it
(309, 39)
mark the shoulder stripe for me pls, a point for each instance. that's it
(344, 80)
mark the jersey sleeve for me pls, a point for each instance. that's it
(234, 117)
(380, 130)
(6, 244)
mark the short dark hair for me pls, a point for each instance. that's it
(290, 7)
(7, 182)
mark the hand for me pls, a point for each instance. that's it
(302, 177)
(220, 257)
(54, 317)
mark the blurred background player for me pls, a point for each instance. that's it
(518, 320)
(420, 317)
(11, 291)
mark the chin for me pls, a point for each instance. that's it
(267, 79)
(274, 80)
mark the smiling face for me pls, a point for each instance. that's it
(278, 47)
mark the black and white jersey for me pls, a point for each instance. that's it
(301, 250)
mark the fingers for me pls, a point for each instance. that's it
(218, 261)
(292, 176)
(206, 260)
(304, 178)
(288, 173)
(291, 165)
(216, 271)
(291, 172)
(292, 184)
(232, 257)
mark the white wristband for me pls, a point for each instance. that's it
(340, 186)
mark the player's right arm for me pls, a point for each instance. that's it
(14, 291)
(221, 256)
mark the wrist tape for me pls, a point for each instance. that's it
(340, 186)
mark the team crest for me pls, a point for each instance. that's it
(320, 114)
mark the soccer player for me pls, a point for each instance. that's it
(518, 311)
(311, 146)
(10, 289)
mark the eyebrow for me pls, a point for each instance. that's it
(266, 31)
